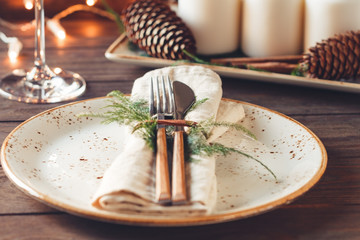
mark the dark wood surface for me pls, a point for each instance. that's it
(330, 210)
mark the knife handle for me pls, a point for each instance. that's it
(162, 183)
(178, 170)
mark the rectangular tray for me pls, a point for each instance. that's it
(119, 51)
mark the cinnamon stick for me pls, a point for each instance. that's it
(276, 67)
(246, 60)
(168, 122)
(177, 122)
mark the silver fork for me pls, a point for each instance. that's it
(161, 104)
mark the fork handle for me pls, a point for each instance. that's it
(162, 183)
(178, 170)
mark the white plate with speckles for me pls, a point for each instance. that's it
(59, 159)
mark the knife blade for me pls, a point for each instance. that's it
(184, 98)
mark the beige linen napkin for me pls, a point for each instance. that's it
(129, 184)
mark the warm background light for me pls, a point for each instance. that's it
(55, 27)
(12, 57)
(14, 48)
(29, 4)
(11, 9)
(57, 70)
(91, 2)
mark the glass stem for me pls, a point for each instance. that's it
(39, 35)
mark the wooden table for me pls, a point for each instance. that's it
(330, 210)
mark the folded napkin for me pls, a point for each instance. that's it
(128, 185)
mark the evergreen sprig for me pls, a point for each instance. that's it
(118, 21)
(198, 144)
(196, 59)
(300, 70)
(124, 111)
(197, 103)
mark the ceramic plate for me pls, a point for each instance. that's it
(59, 159)
(119, 52)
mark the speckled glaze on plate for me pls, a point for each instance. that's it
(60, 159)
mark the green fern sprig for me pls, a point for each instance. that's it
(124, 111)
(117, 18)
(197, 103)
(198, 144)
(235, 126)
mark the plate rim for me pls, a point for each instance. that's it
(106, 216)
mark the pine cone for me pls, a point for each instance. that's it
(152, 26)
(335, 58)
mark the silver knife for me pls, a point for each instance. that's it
(184, 98)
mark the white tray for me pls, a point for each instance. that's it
(119, 52)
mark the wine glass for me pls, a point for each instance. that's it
(41, 84)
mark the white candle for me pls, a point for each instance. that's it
(272, 27)
(214, 23)
(325, 18)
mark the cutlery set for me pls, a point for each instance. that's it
(170, 101)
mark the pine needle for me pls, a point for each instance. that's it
(235, 126)
(198, 145)
(300, 70)
(124, 111)
(118, 21)
(197, 103)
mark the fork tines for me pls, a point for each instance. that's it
(161, 97)
(161, 104)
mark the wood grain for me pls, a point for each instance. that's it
(162, 183)
(285, 223)
(178, 189)
(330, 210)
